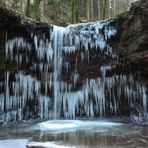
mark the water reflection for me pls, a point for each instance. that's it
(86, 134)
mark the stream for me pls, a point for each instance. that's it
(75, 133)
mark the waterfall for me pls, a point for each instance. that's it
(37, 88)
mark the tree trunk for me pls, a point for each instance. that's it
(28, 8)
(72, 10)
(37, 10)
(76, 11)
(95, 9)
(88, 11)
(21, 6)
(101, 9)
(91, 10)
(104, 9)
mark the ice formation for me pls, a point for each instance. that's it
(27, 96)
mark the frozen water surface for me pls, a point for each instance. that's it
(24, 143)
(77, 133)
(59, 126)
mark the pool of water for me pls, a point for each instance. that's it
(80, 133)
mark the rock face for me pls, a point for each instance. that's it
(14, 24)
(80, 70)
(132, 38)
(133, 29)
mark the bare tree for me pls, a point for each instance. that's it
(28, 8)
(37, 10)
(90, 11)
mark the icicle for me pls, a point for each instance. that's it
(16, 43)
(54, 98)
(144, 101)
